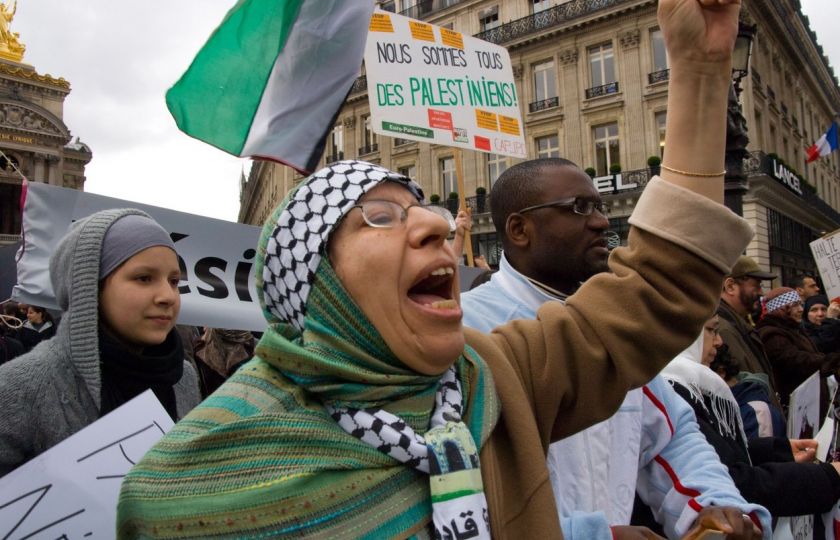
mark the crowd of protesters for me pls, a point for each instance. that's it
(575, 392)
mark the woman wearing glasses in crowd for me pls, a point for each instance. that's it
(370, 412)
(791, 352)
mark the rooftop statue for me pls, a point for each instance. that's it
(10, 47)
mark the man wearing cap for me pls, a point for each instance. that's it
(739, 297)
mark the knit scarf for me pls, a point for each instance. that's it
(127, 374)
(278, 464)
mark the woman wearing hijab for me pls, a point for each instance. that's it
(792, 354)
(774, 472)
(370, 412)
(823, 330)
(115, 276)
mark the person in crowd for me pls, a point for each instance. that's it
(551, 222)
(39, 325)
(793, 355)
(805, 285)
(823, 330)
(115, 275)
(219, 353)
(776, 473)
(369, 411)
(760, 415)
(740, 295)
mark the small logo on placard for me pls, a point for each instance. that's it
(460, 135)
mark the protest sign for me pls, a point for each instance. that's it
(804, 409)
(71, 490)
(803, 423)
(431, 84)
(826, 251)
(216, 257)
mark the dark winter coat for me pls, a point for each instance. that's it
(794, 358)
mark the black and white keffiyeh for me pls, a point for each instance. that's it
(447, 453)
(311, 212)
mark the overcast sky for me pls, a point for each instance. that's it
(120, 57)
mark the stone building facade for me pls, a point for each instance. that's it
(34, 140)
(594, 75)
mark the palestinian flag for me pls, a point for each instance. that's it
(271, 79)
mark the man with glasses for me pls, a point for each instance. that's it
(552, 224)
(739, 297)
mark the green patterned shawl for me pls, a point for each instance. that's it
(262, 458)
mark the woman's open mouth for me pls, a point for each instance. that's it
(435, 289)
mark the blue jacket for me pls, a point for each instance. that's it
(652, 445)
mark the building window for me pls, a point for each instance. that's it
(496, 165)
(409, 171)
(488, 19)
(660, 55)
(336, 144)
(369, 138)
(660, 118)
(388, 5)
(540, 5)
(759, 130)
(545, 86)
(447, 176)
(602, 64)
(605, 138)
(547, 146)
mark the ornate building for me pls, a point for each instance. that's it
(34, 140)
(594, 75)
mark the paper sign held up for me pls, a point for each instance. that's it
(71, 490)
(826, 251)
(435, 85)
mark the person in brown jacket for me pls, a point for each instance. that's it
(791, 352)
(739, 297)
(369, 411)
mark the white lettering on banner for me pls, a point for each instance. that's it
(786, 177)
(216, 257)
(610, 183)
(71, 490)
(826, 251)
(439, 86)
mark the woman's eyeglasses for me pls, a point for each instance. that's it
(388, 214)
(579, 205)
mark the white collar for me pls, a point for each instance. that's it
(526, 291)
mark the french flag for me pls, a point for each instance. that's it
(824, 145)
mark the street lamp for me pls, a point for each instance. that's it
(735, 181)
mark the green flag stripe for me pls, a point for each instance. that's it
(454, 495)
(216, 98)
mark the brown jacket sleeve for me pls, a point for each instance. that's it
(575, 363)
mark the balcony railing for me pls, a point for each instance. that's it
(401, 142)
(756, 76)
(603, 90)
(476, 204)
(359, 85)
(368, 149)
(536, 22)
(658, 76)
(544, 104)
(6, 239)
(424, 8)
(334, 157)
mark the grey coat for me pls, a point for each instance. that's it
(54, 390)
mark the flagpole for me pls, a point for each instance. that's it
(462, 203)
